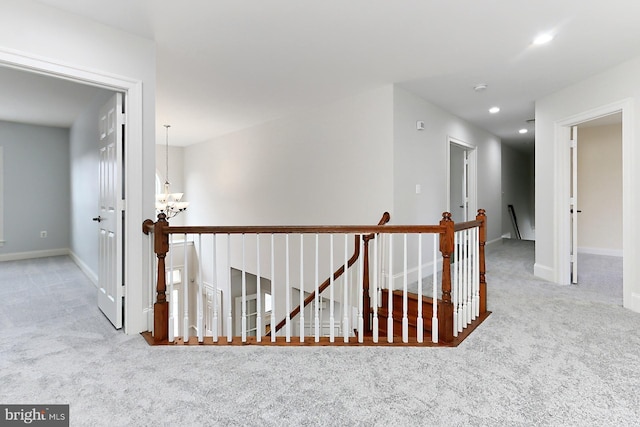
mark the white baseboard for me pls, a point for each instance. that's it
(634, 303)
(600, 251)
(543, 272)
(85, 268)
(494, 241)
(34, 254)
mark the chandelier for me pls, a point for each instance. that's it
(168, 203)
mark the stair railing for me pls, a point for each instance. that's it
(338, 273)
(445, 305)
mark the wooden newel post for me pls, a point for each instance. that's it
(482, 240)
(161, 306)
(445, 310)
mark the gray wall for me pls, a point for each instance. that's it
(518, 189)
(36, 187)
(83, 151)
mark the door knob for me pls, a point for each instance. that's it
(98, 218)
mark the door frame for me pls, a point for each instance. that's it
(562, 195)
(135, 319)
(472, 174)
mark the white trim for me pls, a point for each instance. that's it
(135, 320)
(600, 251)
(493, 242)
(91, 275)
(544, 272)
(18, 256)
(561, 239)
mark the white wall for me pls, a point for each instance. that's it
(330, 165)
(83, 147)
(600, 189)
(38, 36)
(618, 86)
(518, 189)
(36, 190)
(343, 163)
(420, 157)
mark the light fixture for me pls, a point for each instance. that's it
(480, 87)
(543, 38)
(494, 110)
(523, 131)
(168, 203)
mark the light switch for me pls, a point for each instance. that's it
(418, 189)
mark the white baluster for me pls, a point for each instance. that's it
(244, 294)
(405, 302)
(172, 301)
(419, 320)
(214, 327)
(316, 307)
(185, 292)
(288, 291)
(345, 288)
(376, 286)
(228, 298)
(476, 272)
(273, 293)
(468, 277)
(390, 293)
(434, 318)
(361, 292)
(454, 286)
(258, 293)
(332, 333)
(301, 288)
(199, 298)
(463, 267)
(152, 283)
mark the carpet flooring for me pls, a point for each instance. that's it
(548, 356)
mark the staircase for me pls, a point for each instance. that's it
(412, 313)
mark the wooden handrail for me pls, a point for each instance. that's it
(339, 272)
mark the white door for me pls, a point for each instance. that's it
(111, 208)
(462, 181)
(573, 202)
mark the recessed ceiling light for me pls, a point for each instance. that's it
(543, 38)
(523, 131)
(494, 110)
(480, 87)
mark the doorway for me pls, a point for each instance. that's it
(134, 273)
(462, 180)
(596, 201)
(562, 208)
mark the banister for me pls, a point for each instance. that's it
(339, 272)
(459, 226)
(446, 229)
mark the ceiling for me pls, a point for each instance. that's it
(228, 65)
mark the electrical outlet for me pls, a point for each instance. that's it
(43, 234)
